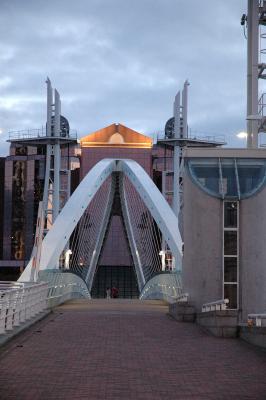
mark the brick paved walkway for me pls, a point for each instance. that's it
(127, 350)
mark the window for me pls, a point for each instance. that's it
(230, 292)
(228, 178)
(230, 243)
(230, 269)
(206, 172)
(230, 252)
(230, 214)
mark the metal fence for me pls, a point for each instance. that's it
(19, 303)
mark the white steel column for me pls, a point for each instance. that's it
(51, 193)
(177, 127)
(162, 253)
(252, 73)
(57, 157)
(48, 147)
(184, 109)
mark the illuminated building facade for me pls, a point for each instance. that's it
(23, 179)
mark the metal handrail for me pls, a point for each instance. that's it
(215, 305)
(259, 319)
(19, 304)
(213, 138)
(36, 133)
(182, 298)
(23, 301)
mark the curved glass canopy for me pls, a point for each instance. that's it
(236, 178)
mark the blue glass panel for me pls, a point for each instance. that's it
(206, 173)
(229, 177)
(251, 174)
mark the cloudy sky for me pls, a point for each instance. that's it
(123, 61)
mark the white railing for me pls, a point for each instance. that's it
(63, 286)
(198, 136)
(20, 302)
(36, 133)
(182, 298)
(215, 305)
(259, 319)
(165, 286)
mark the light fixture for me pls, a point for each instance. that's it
(242, 135)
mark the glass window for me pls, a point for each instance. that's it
(229, 177)
(251, 174)
(230, 293)
(230, 269)
(206, 172)
(238, 175)
(230, 243)
(230, 214)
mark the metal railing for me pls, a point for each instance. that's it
(257, 319)
(36, 133)
(20, 302)
(165, 287)
(63, 286)
(215, 305)
(182, 298)
(198, 136)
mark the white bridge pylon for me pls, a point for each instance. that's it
(58, 236)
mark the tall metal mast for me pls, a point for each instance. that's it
(180, 132)
(51, 194)
(255, 70)
(57, 179)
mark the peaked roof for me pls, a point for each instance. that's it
(116, 135)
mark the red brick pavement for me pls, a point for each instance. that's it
(122, 350)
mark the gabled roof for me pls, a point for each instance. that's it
(116, 135)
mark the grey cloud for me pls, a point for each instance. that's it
(123, 61)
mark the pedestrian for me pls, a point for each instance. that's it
(108, 293)
(114, 292)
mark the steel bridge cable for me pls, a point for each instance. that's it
(87, 233)
(143, 225)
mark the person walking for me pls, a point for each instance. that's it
(108, 293)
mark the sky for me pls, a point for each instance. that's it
(123, 61)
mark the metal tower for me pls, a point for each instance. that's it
(57, 177)
(180, 132)
(55, 136)
(255, 21)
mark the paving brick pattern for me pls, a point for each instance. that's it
(127, 350)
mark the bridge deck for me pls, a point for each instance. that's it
(121, 349)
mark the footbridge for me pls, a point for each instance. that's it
(80, 229)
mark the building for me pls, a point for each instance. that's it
(224, 227)
(24, 173)
(23, 189)
(115, 268)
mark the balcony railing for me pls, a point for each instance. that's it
(37, 133)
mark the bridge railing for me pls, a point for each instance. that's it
(215, 305)
(166, 286)
(258, 320)
(20, 302)
(182, 298)
(63, 286)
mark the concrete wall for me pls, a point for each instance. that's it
(203, 250)
(203, 245)
(253, 255)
